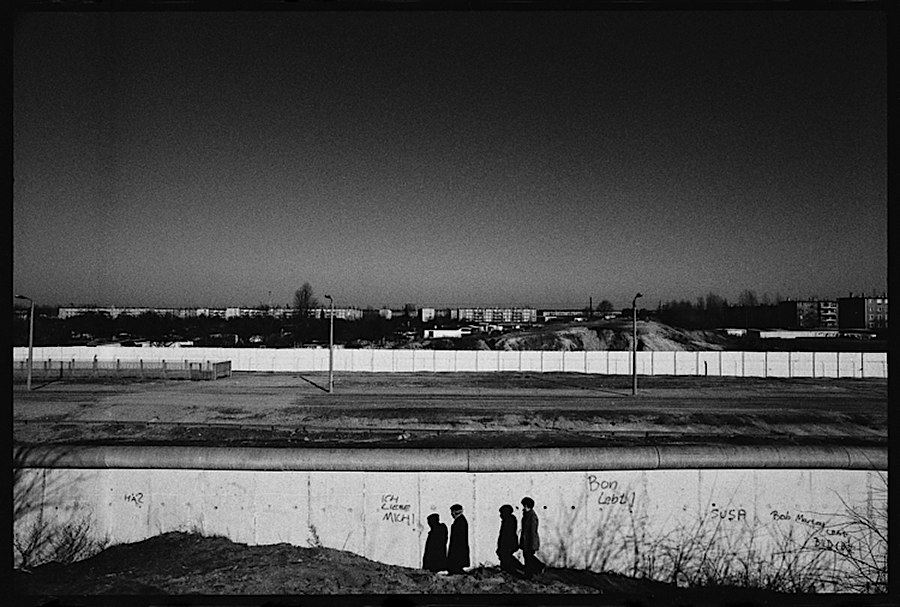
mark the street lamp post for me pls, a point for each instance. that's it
(30, 337)
(634, 344)
(330, 345)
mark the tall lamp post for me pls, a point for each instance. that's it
(330, 345)
(634, 344)
(30, 337)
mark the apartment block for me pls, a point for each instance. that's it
(495, 315)
(863, 312)
(808, 314)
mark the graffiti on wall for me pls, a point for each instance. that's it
(395, 511)
(822, 534)
(608, 493)
(727, 514)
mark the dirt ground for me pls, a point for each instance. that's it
(189, 565)
(461, 410)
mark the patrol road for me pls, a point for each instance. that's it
(464, 410)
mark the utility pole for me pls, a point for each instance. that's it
(330, 346)
(634, 344)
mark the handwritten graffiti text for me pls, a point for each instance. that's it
(728, 514)
(594, 484)
(837, 546)
(617, 499)
(802, 518)
(402, 518)
(389, 501)
(395, 511)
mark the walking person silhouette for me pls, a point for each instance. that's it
(458, 552)
(529, 539)
(508, 542)
(435, 557)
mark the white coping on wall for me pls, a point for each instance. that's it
(452, 460)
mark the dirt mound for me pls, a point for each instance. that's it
(659, 337)
(615, 335)
(191, 564)
(183, 563)
(568, 339)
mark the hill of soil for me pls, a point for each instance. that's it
(612, 335)
(191, 564)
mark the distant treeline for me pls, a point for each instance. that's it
(268, 331)
(714, 311)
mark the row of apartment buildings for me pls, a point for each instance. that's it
(514, 315)
(225, 313)
(853, 312)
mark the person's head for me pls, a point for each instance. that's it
(433, 519)
(506, 510)
(455, 510)
(527, 503)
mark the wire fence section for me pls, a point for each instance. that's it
(122, 368)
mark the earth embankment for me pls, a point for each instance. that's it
(613, 335)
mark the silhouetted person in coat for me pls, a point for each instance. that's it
(529, 540)
(458, 552)
(435, 557)
(508, 542)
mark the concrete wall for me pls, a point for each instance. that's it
(602, 519)
(736, 364)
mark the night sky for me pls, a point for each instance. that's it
(448, 158)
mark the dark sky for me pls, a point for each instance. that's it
(448, 158)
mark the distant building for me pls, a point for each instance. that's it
(548, 315)
(808, 314)
(112, 312)
(495, 315)
(789, 334)
(863, 312)
(427, 314)
(226, 313)
(443, 333)
(339, 313)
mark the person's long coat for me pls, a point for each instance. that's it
(458, 552)
(435, 557)
(507, 540)
(529, 540)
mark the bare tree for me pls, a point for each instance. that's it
(604, 307)
(748, 298)
(304, 303)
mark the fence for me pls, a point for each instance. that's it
(710, 363)
(73, 368)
